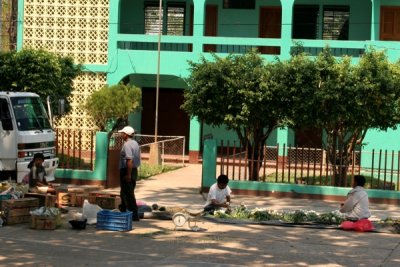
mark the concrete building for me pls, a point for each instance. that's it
(117, 40)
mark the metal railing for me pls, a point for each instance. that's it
(75, 149)
(300, 165)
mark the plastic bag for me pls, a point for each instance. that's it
(90, 211)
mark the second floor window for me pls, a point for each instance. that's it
(174, 24)
(307, 22)
(336, 23)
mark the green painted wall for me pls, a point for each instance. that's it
(222, 134)
(386, 145)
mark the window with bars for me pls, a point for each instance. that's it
(174, 24)
(336, 23)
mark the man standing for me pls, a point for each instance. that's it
(128, 172)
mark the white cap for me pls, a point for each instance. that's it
(127, 130)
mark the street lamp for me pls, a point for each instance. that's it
(160, 25)
(155, 156)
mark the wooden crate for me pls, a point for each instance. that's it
(18, 210)
(41, 222)
(86, 189)
(108, 203)
(106, 200)
(80, 198)
(51, 199)
(67, 199)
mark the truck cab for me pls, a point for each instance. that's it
(25, 129)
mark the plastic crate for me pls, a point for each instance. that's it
(114, 221)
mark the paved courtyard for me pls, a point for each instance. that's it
(158, 243)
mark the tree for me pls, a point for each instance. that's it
(240, 92)
(112, 105)
(345, 100)
(40, 72)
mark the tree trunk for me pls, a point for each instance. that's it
(255, 156)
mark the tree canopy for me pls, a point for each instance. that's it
(38, 71)
(111, 105)
(240, 92)
(344, 99)
(341, 97)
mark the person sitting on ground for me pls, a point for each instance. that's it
(356, 206)
(36, 178)
(219, 195)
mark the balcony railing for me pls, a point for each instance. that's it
(223, 45)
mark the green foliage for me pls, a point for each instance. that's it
(240, 92)
(40, 72)
(343, 99)
(113, 104)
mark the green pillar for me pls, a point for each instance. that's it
(376, 4)
(286, 30)
(209, 171)
(198, 26)
(20, 24)
(285, 137)
(113, 78)
(194, 140)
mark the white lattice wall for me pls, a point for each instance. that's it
(76, 28)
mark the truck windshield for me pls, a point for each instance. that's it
(30, 113)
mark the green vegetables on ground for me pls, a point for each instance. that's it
(241, 212)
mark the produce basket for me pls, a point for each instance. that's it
(114, 221)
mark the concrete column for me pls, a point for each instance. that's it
(285, 137)
(286, 31)
(198, 26)
(209, 171)
(194, 140)
(375, 19)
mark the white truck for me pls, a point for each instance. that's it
(25, 129)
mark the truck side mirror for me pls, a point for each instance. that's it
(61, 106)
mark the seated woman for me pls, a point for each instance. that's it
(356, 206)
(36, 178)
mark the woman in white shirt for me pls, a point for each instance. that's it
(356, 206)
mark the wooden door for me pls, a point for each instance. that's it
(172, 120)
(211, 23)
(270, 24)
(390, 23)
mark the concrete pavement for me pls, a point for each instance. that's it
(156, 242)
